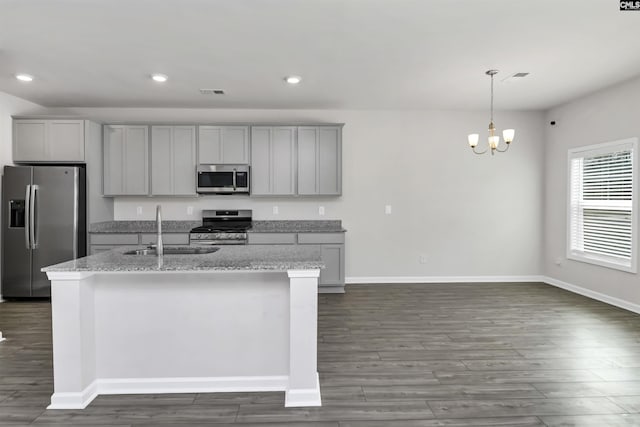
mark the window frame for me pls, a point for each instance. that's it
(592, 151)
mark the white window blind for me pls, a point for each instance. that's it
(602, 207)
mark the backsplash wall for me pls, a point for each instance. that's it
(462, 214)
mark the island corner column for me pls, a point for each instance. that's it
(74, 353)
(304, 385)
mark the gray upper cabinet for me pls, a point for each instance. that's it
(223, 144)
(173, 160)
(37, 140)
(320, 160)
(273, 160)
(126, 160)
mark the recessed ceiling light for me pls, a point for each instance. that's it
(24, 77)
(160, 78)
(293, 80)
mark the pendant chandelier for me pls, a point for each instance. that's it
(493, 140)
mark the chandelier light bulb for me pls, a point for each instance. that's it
(508, 135)
(473, 139)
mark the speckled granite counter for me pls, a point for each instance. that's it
(228, 258)
(307, 226)
(284, 226)
(142, 226)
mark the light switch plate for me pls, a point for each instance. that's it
(276, 211)
(387, 209)
(189, 210)
(321, 211)
(139, 210)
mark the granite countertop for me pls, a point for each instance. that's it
(228, 258)
(142, 226)
(283, 226)
(291, 226)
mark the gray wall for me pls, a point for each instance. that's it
(607, 115)
(470, 215)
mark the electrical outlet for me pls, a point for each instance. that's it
(387, 209)
(423, 259)
(189, 210)
(321, 211)
(558, 261)
(276, 211)
(139, 210)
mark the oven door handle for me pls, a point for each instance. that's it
(218, 242)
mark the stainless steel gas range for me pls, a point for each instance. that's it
(222, 227)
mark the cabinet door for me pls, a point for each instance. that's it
(66, 140)
(184, 160)
(29, 140)
(113, 160)
(283, 161)
(308, 160)
(329, 160)
(235, 144)
(333, 273)
(136, 160)
(161, 160)
(320, 160)
(223, 144)
(260, 160)
(209, 144)
(126, 168)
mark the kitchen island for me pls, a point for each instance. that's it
(243, 318)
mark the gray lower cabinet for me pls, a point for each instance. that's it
(101, 242)
(331, 278)
(319, 160)
(273, 160)
(173, 160)
(223, 144)
(126, 160)
(332, 248)
(105, 242)
(36, 140)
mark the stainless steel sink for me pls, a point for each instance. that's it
(173, 251)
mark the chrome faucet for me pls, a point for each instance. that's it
(159, 247)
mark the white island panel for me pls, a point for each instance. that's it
(223, 324)
(179, 325)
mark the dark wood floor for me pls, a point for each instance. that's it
(401, 355)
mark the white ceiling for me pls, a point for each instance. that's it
(381, 54)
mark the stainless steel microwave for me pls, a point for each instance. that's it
(223, 179)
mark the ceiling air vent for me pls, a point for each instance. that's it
(211, 91)
(514, 77)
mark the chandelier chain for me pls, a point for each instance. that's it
(491, 98)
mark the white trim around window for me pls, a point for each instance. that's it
(602, 204)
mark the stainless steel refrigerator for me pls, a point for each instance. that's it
(43, 223)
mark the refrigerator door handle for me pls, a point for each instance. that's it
(27, 229)
(32, 217)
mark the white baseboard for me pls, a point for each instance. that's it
(80, 400)
(303, 397)
(1, 337)
(380, 280)
(592, 294)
